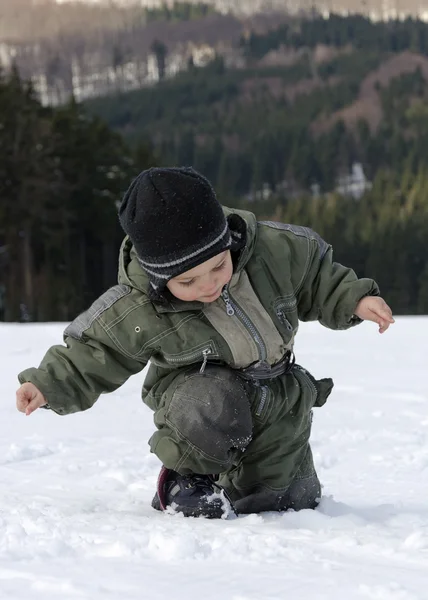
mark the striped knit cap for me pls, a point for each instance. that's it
(174, 220)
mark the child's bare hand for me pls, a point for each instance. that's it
(373, 308)
(29, 398)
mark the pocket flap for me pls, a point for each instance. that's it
(324, 387)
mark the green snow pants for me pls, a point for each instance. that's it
(253, 435)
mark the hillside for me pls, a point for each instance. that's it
(324, 123)
(298, 114)
(87, 49)
(61, 182)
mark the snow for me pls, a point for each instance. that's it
(75, 515)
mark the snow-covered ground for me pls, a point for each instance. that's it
(75, 516)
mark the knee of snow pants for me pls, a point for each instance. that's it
(204, 421)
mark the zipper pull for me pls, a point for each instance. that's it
(283, 319)
(229, 308)
(204, 364)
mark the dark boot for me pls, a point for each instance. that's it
(193, 495)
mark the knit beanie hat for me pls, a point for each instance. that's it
(174, 220)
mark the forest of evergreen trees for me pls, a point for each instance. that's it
(63, 170)
(250, 126)
(61, 176)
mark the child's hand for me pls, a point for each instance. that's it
(373, 308)
(29, 398)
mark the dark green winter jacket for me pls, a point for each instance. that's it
(284, 274)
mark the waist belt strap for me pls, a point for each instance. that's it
(260, 371)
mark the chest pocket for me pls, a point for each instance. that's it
(202, 353)
(287, 321)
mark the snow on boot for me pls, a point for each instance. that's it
(193, 495)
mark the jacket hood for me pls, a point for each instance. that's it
(132, 274)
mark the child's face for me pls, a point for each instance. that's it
(204, 282)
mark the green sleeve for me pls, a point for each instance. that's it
(330, 292)
(72, 377)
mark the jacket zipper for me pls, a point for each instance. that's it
(263, 398)
(233, 308)
(193, 355)
(281, 316)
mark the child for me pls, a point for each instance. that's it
(212, 300)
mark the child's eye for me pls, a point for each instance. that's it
(220, 267)
(188, 283)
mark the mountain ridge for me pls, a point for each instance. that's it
(376, 9)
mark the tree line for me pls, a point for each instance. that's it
(382, 236)
(179, 11)
(357, 30)
(62, 173)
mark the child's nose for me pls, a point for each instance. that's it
(208, 284)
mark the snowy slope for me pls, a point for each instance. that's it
(75, 516)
